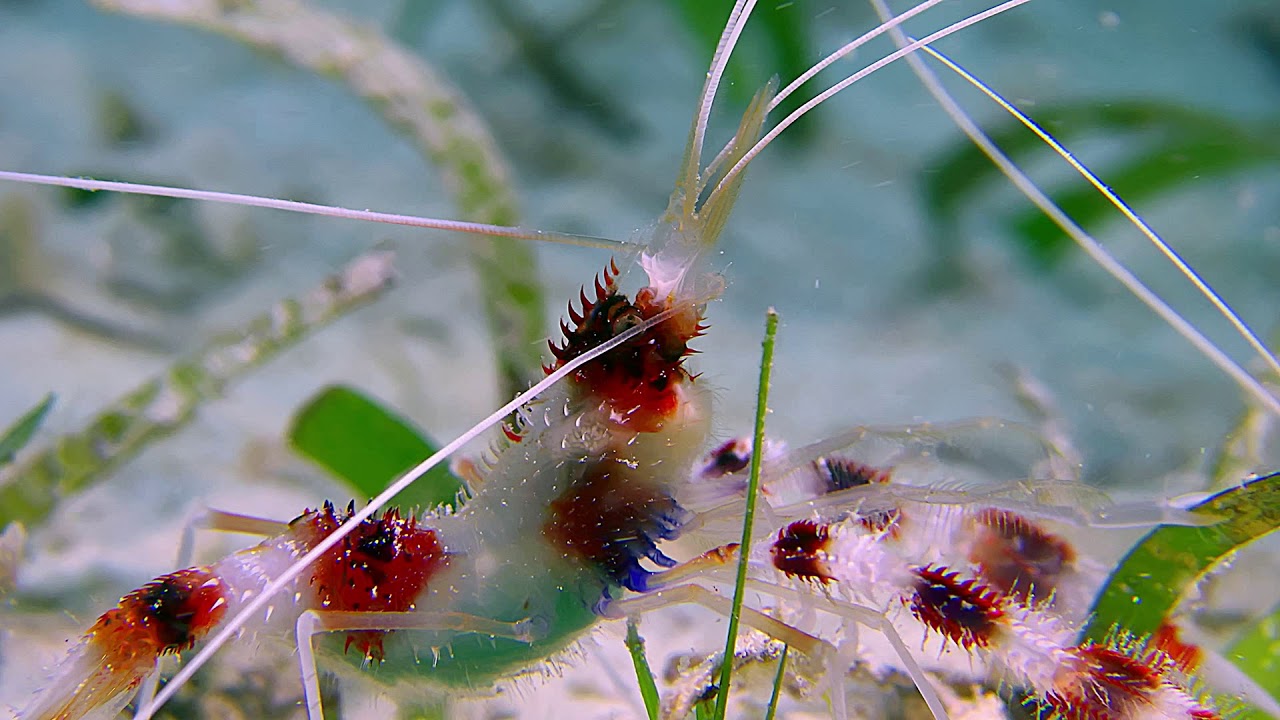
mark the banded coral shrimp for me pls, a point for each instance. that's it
(920, 406)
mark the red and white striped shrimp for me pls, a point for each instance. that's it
(834, 350)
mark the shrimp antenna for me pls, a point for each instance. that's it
(1086, 242)
(258, 603)
(461, 226)
(1187, 271)
(807, 75)
(733, 27)
(849, 47)
(822, 97)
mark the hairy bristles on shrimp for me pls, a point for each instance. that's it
(993, 585)
(165, 616)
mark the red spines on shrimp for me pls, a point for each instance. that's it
(963, 610)
(1035, 648)
(167, 615)
(1167, 638)
(1101, 682)
(800, 550)
(639, 381)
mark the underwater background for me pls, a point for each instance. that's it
(909, 280)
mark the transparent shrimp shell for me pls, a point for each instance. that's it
(832, 233)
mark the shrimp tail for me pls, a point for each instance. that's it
(167, 615)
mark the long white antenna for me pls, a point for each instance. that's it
(314, 209)
(828, 93)
(1223, 308)
(849, 47)
(818, 67)
(719, 61)
(1082, 238)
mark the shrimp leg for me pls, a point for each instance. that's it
(821, 651)
(223, 521)
(714, 562)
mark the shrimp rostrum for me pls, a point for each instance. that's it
(567, 522)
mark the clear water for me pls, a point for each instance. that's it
(832, 232)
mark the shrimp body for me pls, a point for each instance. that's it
(578, 493)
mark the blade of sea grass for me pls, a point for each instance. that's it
(748, 520)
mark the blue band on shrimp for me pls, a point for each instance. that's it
(613, 517)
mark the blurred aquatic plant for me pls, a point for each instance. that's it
(1177, 147)
(26, 278)
(366, 446)
(162, 256)
(31, 489)
(541, 51)
(16, 436)
(1256, 651)
(418, 101)
(779, 39)
(1144, 591)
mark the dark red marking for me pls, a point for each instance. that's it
(840, 473)
(611, 518)
(1108, 684)
(843, 473)
(167, 615)
(731, 457)
(381, 566)
(798, 550)
(1018, 557)
(966, 612)
(1186, 656)
(639, 379)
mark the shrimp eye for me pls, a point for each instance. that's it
(627, 318)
